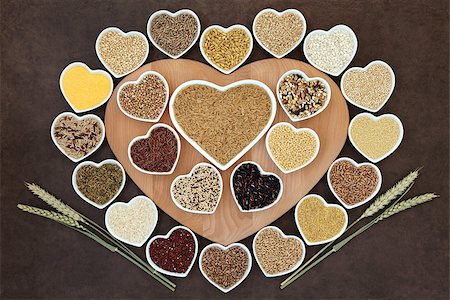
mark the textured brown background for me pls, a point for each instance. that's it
(403, 257)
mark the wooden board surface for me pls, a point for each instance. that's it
(228, 224)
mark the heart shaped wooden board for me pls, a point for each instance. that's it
(228, 225)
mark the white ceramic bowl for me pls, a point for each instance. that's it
(375, 192)
(375, 62)
(111, 231)
(308, 242)
(284, 236)
(237, 26)
(323, 32)
(221, 88)
(300, 73)
(226, 290)
(166, 86)
(155, 266)
(158, 125)
(97, 165)
(279, 13)
(52, 133)
(262, 172)
(202, 164)
(80, 64)
(393, 117)
(295, 130)
(166, 12)
(118, 30)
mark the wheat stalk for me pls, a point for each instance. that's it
(404, 205)
(391, 194)
(51, 215)
(54, 202)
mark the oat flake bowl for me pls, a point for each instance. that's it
(312, 95)
(156, 151)
(266, 30)
(166, 39)
(102, 177)
(271, 185)
(210, 189)
(236, 53)
(271, 110)
(352, 183)
(153, 102)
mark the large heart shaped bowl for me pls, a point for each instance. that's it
(228, 225)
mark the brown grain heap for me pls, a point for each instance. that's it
(225, 267)
(144, 100)
(353, 184)
(77, 138)
(174, 34)
(222, 123)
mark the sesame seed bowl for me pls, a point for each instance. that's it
(325, 35)
(226, 30)
(173, 15)
(357, 165)
(365, 69)
(165, 237)
(284, 237)
(136, 82)
(295, 12)
(138, 138)
(97, 165)
(202, 164)
(263, 174)
(308, 79)
(137, 34)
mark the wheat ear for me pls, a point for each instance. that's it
(404, 205)
(63, 219)
(54, 202)
(391, 194)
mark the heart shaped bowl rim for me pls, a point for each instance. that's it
(224, 248)
(308, 79)
(326, 204)
(97, 165)
(226, 30)
(96, 71)
(327, 32)
(222, 89)
(364, 69)
(123, 34)
(128, 204)
(147, 135)
(165, 237)
(136, 82)
(376, 119)
(357, 165)
(63, 114)
(278, 14)
(296, 130)
(189, 175)
(173, 15)
(261, 172)
(286, 237)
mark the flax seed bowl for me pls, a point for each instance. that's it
(207, 190)
(237, 60)
(107, 162)
(165, 238)
(150, 100)
(302, 97)
(170, 38)
(174, 161)
(272, 189)
(360, 185)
